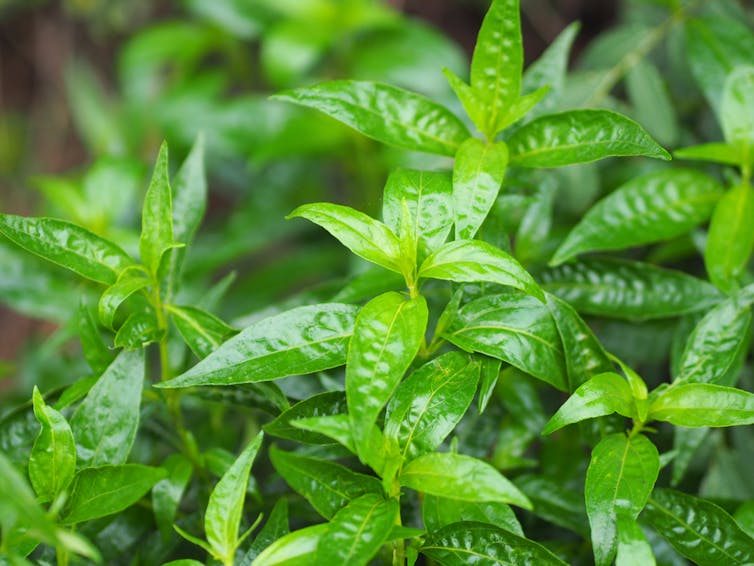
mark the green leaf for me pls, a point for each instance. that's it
(460, 477)
(522, 106)
(478, 173)
(555, 502)
(326, 485)
(620, 477)
(298, 548)
(102, 491)
(488, 376)
(275, 528)
(225, 507)
(580, 136)
(698, 529)
(651, 208)
(736, 116)
(323, 404)
(649, 95)
(356, 532)
(473, 101)
(53, 458)
(428, 196)
(168, 492)
(439, 512)
(628, 289)
(703, 404)
(515, 328)
(67, 245)
(486, 545)
(497, 62)
(604, 394)
(714, 152)
(387, 335)
(299, 341)
(129, 282)
(363, 235)
(157, 216)
(337, 427)
(386, 113)
(97, 355)
(532, 234)
(475, 261)
(633, 547)
(731, 238)
(201, 330)
(430, 402)
(138, 330)
(105, 423)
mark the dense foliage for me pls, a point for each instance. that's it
(537, 353)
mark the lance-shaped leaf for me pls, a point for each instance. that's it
(628, 289)
(97, 355)
(363, 235)
(137, 331)
(478, 173)
(533, 231)
(325, 404)
(67, 245)
(275, 528)
(387, 335)
(473, 101)
(736, 116)
(356, 532)
(157, 215)
(715, 152)
(129, 282)
(201, 330)
(460, 477)
(105, 423)
(299, 341)
(703, 404)
(650, 208)
(620, 477)
(515, 328)
(168, 492)
(53, 458)
(698, 529)
(296, 548)
(604, 394)
(580, 136)
(633, 547)
(326, 485)
(475, 261)
(428, 196)
(652, 105)
(225, 507)
(731, 237)
(102, 491)
(488, 545)
(488, 376)
(386, 113)
(439, 512)
(430, 402)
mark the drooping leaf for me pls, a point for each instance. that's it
(703, 404)
(168, 492)
(202, 331)
(386, 113)
(323, 404)
(298, 548)
(302, 340)
(439, 512)
(157, 215)
(580, 136)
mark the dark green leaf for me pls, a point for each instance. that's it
(556, 503)
(703, 404)
(275, 528)
(488, 376)
(324, 404)
(97, 355)
(439, 512)
(129, 282)
(534, 228)
(157, 215)
(168, 492)
(137, 331)
(202, 331)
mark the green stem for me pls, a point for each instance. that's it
(61, 553)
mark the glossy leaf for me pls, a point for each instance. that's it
(522, 106)
(580, 136)
(488, 376)
(356, 532)
(386, 113)
(387, 335)
(650, 208)
(337, 427)
(275, 528)
(323, 404)
(157, 215)
(555, 502)
(698, 529)
(478, 173)
(67, 245)
(105, 423)
(97, 355)
(487, 545)
(515, 328)
(129, 282)
(366, 237)
(620, 477)
(439, 512)
(201, 330)
(298, 341)
(138, 330)
(627, 289)
(714, 152)
(460, 477)
(430, 402)
(604, 394)
(298, 548)
(168, 492)
(326, 485)
(731, 238)
(53, 457)
(633, 547)
(534, 228)
(473, 101)
(703, 404)
(102, 491)
(736, 116)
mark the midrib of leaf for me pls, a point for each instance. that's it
(199, 329)
(738, 218)
(494, 559)
(362, 526)
(508, 329)
(306, 473)
(385, 257)
(102, 494)
(560, 148)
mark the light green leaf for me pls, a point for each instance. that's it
(323, 404)
(714, 152)
(386, 113)
(620, 477)
(201, 330)
(129, 282)
(473, 102)
(439, 512)
(105, 423)
(168, 492)
(522, 106)
(475, 261)
(460, 477)
(633, 547)
(337, 427)
(67, 245)
(703, 404)
(53, 458)
(580, 136)
(650, 208)
(736, 114)
(299, 341)
(478, 173)
(157, 216)
(102, 491)
(298, 548)
(275, 528)
(363, 235)
(387, 335)
(138, 330)
(225, 507)
(731, 237)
